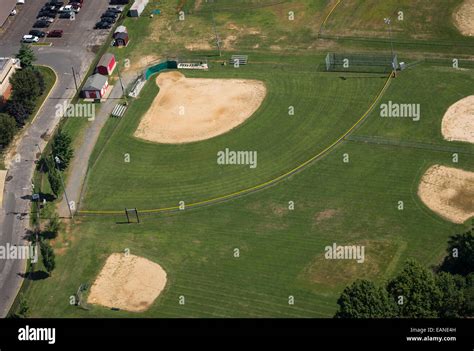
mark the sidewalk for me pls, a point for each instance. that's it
(79, 165)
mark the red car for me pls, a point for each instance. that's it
(57, 33)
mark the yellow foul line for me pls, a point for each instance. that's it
(330, 13)
(248, 190)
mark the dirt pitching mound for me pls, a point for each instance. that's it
(128, 282)
(449, 192)
(464, 18)
(193, 109)
(458, 122)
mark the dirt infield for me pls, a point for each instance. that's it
(458, 122)
(193, 109)
(128, 282)
(449, 192)
(464, 18)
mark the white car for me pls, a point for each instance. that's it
(20, 2)
(67, 8)
(30, 39)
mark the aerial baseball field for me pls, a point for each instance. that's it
(264, 159)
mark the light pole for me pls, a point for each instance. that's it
(388, 21)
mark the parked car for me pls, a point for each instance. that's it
(13, 12)
(108, 20)
(57, 33)
(49, 14)
(67, 8)
(67, 15)
(30, 39)
(102, 25)
(41, 24)
(76, 8)
(110, 14)
(37, 33)
(116, 9)
(46, 19)
(55, 3)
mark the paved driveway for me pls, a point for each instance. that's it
(76, 49)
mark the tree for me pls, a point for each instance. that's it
(26, 56)
(47, 253)
(25, 85)
(23, 308)
(54, 180)
(40, 80)
(8, 129)
(53, 226)
(20, 111)
(62, 149)
(469, 296)
(363, 299)
(460, 258)
(452, 289)
(415, 291)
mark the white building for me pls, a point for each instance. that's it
(137, 8)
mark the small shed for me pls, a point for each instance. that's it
(121, 36)
(137, 8)
(106, 64)
(95, 86)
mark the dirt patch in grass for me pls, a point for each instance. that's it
(378, 257)
(464, 18)
(128, 282)
(458, 122)
(193, 109)
(141, 63)
(449, 192)
(325, 215)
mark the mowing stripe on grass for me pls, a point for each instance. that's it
(265, 184)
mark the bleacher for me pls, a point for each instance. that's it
(242, 59)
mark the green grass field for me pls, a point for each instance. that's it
(281, 250)
(162, 175)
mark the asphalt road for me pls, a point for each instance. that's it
(76, 49)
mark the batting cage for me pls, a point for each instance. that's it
(361, 62)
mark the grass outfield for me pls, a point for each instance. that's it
(161, 175)
(422, 19)
(281, 251)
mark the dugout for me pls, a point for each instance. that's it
(361, 62)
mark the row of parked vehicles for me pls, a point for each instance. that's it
(109, 17)
(48, 14)
(55, 8)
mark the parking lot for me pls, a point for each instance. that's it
(76, 33)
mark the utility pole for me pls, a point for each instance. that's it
(388, 21)
(218, 40)
(75, 81)
(57, 161)
(121, 84)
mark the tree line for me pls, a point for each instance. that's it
(28, 85)
(447, 291)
